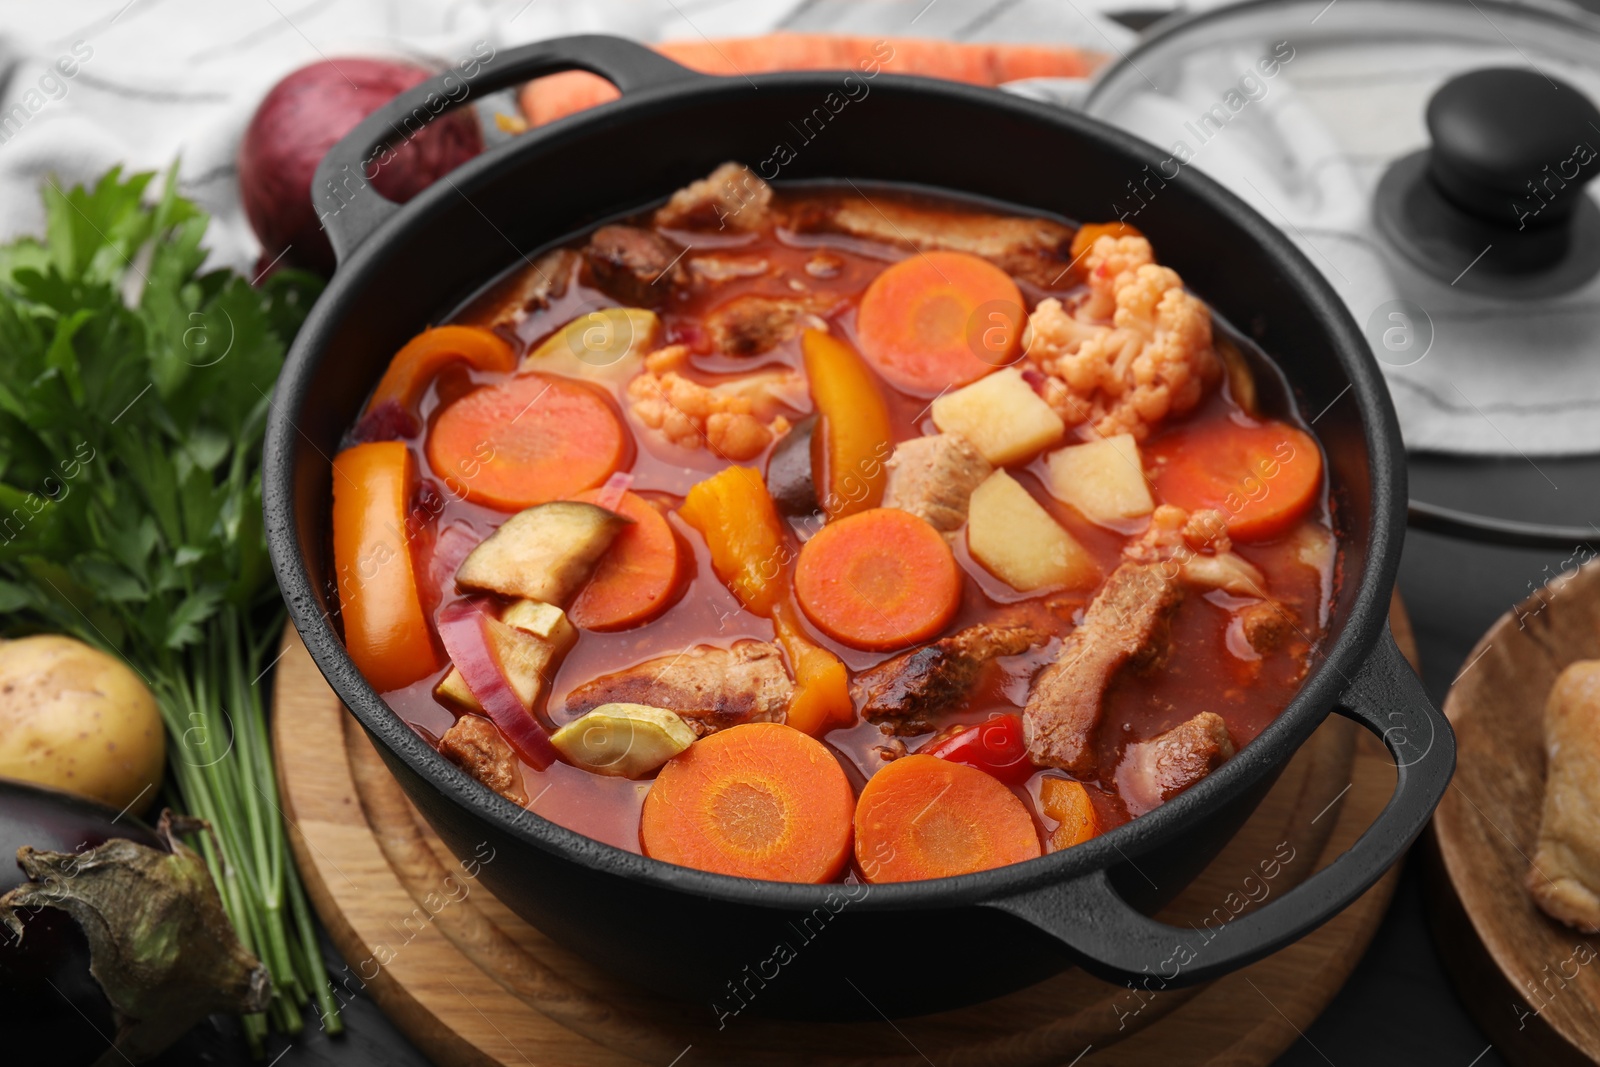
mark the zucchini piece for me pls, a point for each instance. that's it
(605, 345)
(527, 641)
(542, 553)
(789, 476)
(623, 740)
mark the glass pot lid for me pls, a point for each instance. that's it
(1433, 158)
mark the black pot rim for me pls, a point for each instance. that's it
(1263, 756)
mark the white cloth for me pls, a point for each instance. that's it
(158, 80)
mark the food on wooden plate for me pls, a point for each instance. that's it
(77, 719)
(1564, 877)
(1012, 535)
(790, 548)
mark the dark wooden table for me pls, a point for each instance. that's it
(1399, 1007)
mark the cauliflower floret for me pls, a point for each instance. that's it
(1198, 543)
(689, 414)
(1135, 351)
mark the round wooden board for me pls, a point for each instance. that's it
(1508, 959)
(471, 983)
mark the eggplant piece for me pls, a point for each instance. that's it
(790, 479)
(527, 640)
(91, 886)
(542, 553)
(623, 740)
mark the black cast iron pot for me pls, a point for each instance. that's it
(914, 947)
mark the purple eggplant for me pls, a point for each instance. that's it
(81, 885)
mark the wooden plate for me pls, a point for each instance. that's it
(470, 983)
(1515, 967)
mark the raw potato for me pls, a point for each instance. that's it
(77, 719)
(527, 640)
(542, 553)
(1103, 479)
(1015, 538)
(606, 345)
(623, 740)
(1001, 415)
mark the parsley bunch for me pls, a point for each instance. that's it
(134, 389)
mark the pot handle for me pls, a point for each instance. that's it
(348, 205)
(1114, 941)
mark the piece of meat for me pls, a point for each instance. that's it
(1036, 250)
(905, 694)
(711, 688)
(1153, 772)
(543, 280)
(638, 267)
(752, 324)
(713, 269)
(1266, 625)
(474, 744)
(933, 478)
(1126, 625)
(729, 198)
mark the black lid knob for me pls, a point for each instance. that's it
(1513, 147)
(1497, 203)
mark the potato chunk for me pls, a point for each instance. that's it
(542, 553)
(1103, 479)
(1001, 415)
(1015, 538)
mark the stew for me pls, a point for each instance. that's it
(815, 534)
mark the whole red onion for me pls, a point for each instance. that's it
(306, 114)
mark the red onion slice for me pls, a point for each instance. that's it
(611, 493)
(463, 628)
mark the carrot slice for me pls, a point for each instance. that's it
(525, 441)
(924, 817)
(426, 354)
(379, 602)
(940, 320)
(639, 573)
(762, 800)
(853, 437)
(880, 579)
(1068, 803)
(1263, 477)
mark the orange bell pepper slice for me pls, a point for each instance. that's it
(384, 626)
(853, 438)
(752, 555)
(426, 354)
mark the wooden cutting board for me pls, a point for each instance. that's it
(1532, 983)
(472, 984)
